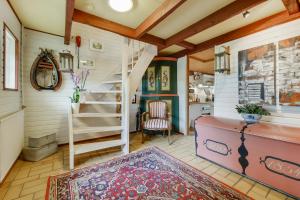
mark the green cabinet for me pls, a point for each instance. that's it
(160, 78)
(160, 83)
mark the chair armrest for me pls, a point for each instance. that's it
(169, 116)
(144, 116)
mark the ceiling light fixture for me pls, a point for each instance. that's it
(246, 14)
(121, 5)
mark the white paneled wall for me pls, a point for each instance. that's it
(182, 93)
(10, 101)
(226, 86)
(46, 111)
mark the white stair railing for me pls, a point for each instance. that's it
(144, 58)
(138, 59)
(71, 138)
(125, 97)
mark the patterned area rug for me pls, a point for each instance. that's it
(150, 174)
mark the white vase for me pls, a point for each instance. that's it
(75, 107)
(251, 118)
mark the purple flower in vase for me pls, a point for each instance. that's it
(76, 79)
(79, 78)
(85, 73)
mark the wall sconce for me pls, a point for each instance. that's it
(222, 61)
(66, 61)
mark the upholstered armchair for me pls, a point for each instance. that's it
(158, 118)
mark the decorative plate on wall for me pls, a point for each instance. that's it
(45, 73)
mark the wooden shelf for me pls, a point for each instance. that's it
(159, 95)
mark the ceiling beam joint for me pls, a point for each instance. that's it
(292, 6)
(163, 11)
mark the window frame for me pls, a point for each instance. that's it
(6, 28)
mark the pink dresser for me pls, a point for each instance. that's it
(267, 153)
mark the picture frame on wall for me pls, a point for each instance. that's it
(256, 73)
(165, 78)
(151, 78)
(96, 45)
(87, 63)
(133, 100)
(289, 71)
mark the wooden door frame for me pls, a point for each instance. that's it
(187, 95)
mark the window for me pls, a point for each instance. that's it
(10, 60)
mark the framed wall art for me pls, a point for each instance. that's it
(87, 63)
(165, 78)
(151, 78)
(289, 71)
(256, 72)
(96, 45)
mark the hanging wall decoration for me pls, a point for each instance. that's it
(96, 45)
(151, 78)
(66, 61)
(289, 71)
(222, 61)
(257, 75)
(45, 73)
(165, 78)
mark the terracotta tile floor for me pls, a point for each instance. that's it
(27, 180)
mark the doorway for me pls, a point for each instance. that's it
(200, 80)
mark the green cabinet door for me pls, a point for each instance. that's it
(160, 78)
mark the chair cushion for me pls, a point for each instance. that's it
(158, 109)
(156, 124)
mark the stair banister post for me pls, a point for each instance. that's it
(125, 97)
(71, 137)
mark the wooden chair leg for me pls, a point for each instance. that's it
(169, 135)
(142, 136)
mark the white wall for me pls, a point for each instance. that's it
(226, 86)
(10, 101)
(46, 111)
(182, 93)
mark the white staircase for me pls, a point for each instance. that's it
(136, 57)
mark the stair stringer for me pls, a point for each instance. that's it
(136, 75)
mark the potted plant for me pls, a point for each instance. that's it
(75, 100)
(251, 113)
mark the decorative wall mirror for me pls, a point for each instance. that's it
(45, 73)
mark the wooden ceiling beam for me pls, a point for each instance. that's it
(201, 60)
(159, 42)
(69, 14)
(268, 22)
(186, 45)
(164, 10)
(292, 6)
(215, 18)
(98, 22)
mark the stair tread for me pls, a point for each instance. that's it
(105, 91)
(80, 130)
(97, 115)
(102, 102)
(120, 73)
(88, 147)
(112, 81)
